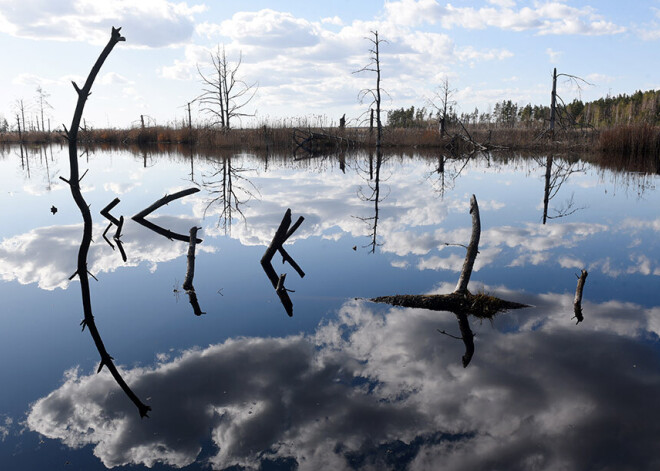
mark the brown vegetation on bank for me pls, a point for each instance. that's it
(628, 141)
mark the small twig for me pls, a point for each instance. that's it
(449, 335)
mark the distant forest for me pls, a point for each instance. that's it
(638, 108)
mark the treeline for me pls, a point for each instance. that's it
(638, 108)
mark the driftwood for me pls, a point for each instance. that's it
(284, 231)
(461, 302)
(577, 302)
(140, 217)
(74, 184)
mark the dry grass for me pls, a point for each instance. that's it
(632, 142)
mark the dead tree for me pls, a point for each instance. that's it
(140, 217)
(374, 93)
(284, 231)
(559, 113)
(577, 301)
(441, 100)
(224, 95)
(43, 105)
(74, 184)
(461, 302)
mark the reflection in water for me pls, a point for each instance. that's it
(374, 388)
(461, 302)
(373, 194)
(190, 272)
(229, 188)
(557, 172)
(577, 302)
(118, 223)
(448, 171)
(82, 269)
(284, 231)
(140, 217)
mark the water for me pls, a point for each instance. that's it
(344, 383)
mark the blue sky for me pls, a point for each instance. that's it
(302, 54)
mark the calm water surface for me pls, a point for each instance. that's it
(344, 383)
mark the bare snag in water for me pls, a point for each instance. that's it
(284, 231)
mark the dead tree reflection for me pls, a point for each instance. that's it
(140, 217)
(230, 189)
(74, 184)
(373, 194)
(284, 231)
(447, 171)
(461, 302)
(557, 172)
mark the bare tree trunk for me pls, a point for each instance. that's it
(472, 249)
(577, 302)
(190, 271)
(553, 102)
(379, 136)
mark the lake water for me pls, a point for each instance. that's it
(345, 383)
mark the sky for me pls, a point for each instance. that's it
(302, 55)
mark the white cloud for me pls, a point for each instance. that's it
(544, 18)
(269, 27)
(148, 23)
(334, 20)
(553, 55)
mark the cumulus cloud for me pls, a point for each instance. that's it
(544, 18)
(148, 23)
(380, 389)
(268, 27)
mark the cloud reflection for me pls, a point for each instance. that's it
(380, 389)
(47, 255)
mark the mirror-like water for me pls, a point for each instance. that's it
(345, 383)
